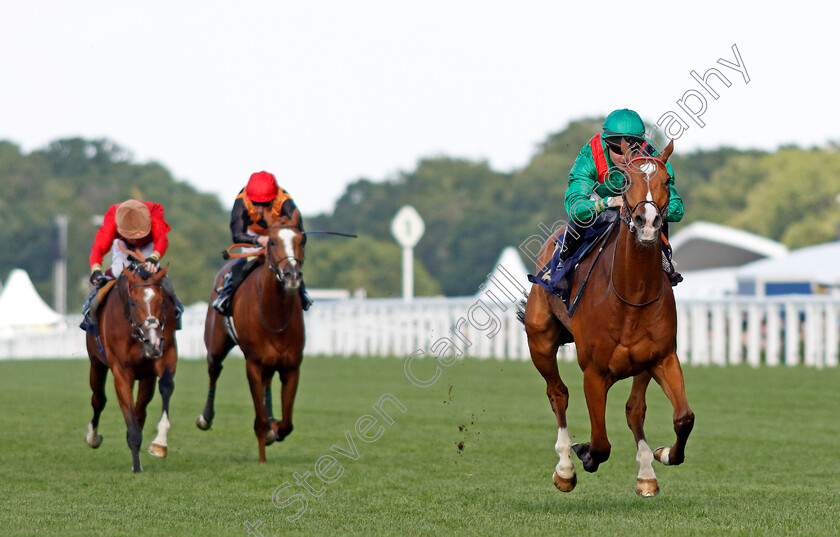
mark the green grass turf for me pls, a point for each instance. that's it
(472, 455)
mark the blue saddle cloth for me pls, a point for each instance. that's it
(557, 279)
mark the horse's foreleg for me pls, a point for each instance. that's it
(166, 385)
(145, 392)
(597, 450)
(98, 375)
(255, 381)
(646, 483)
(542, 329)
(289, 379)
(669, 376)
(214, 369)
(123, 384)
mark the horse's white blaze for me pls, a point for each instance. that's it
(649, 232)
(664, 457)
(563, 447)
(148, 295)
(644, 456)
(286, 236)
(163, 428)
(648, 168)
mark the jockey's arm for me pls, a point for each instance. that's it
(239, 224)
(676, 209)
(582, 182)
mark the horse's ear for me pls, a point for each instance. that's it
(667, 152)
(162, 272)
(127, 273)
(295, 219)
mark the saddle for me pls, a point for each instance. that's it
(556, 278)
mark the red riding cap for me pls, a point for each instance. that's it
(262, 187)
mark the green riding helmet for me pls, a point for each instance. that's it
(624, 122)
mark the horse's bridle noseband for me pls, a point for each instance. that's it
(281, 274)
(150, 322)
(628, 218)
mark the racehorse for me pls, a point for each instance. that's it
(267, 324)
(137, 342)
(624, 326)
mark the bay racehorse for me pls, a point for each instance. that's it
(267, 324)
(624, 326)
(136, 326)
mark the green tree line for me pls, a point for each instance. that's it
(471, 211)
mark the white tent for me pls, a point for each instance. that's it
(21, 306)
(820, 263)
(509, 272)
(704, 245)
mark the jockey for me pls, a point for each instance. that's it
(262, 196)
(596, 180)
(137, 225)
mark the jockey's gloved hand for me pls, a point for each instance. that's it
(154, 263)
(96, 278)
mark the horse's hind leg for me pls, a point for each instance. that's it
(166, 385)
(289, 380)
(646, 483)
(669, 376)
(544, 331)
(98, 375)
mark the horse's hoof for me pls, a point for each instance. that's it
(662, 455)
(565, 485)
(202, 423)
(647, 488)
(94, 441)
(270, 437)
(157, 450)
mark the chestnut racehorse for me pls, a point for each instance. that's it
(267, 321)
(624, 326)
(137, 342)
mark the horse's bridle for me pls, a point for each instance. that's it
(150, 322)
(280, 275)
(628, 219)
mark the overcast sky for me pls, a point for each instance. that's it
(322, 93)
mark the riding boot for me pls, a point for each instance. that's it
(572, 239)
(305, 299)
(169, 288)
(90, 304)
(668, 263)
(233, 278)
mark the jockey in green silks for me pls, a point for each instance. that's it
(596, 180)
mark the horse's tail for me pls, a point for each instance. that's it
(520, 308)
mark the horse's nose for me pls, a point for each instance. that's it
(639, 221)
(657, 222)
(292, 280)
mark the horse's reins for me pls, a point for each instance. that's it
(628, 219)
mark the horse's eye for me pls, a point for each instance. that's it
(271, 243)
